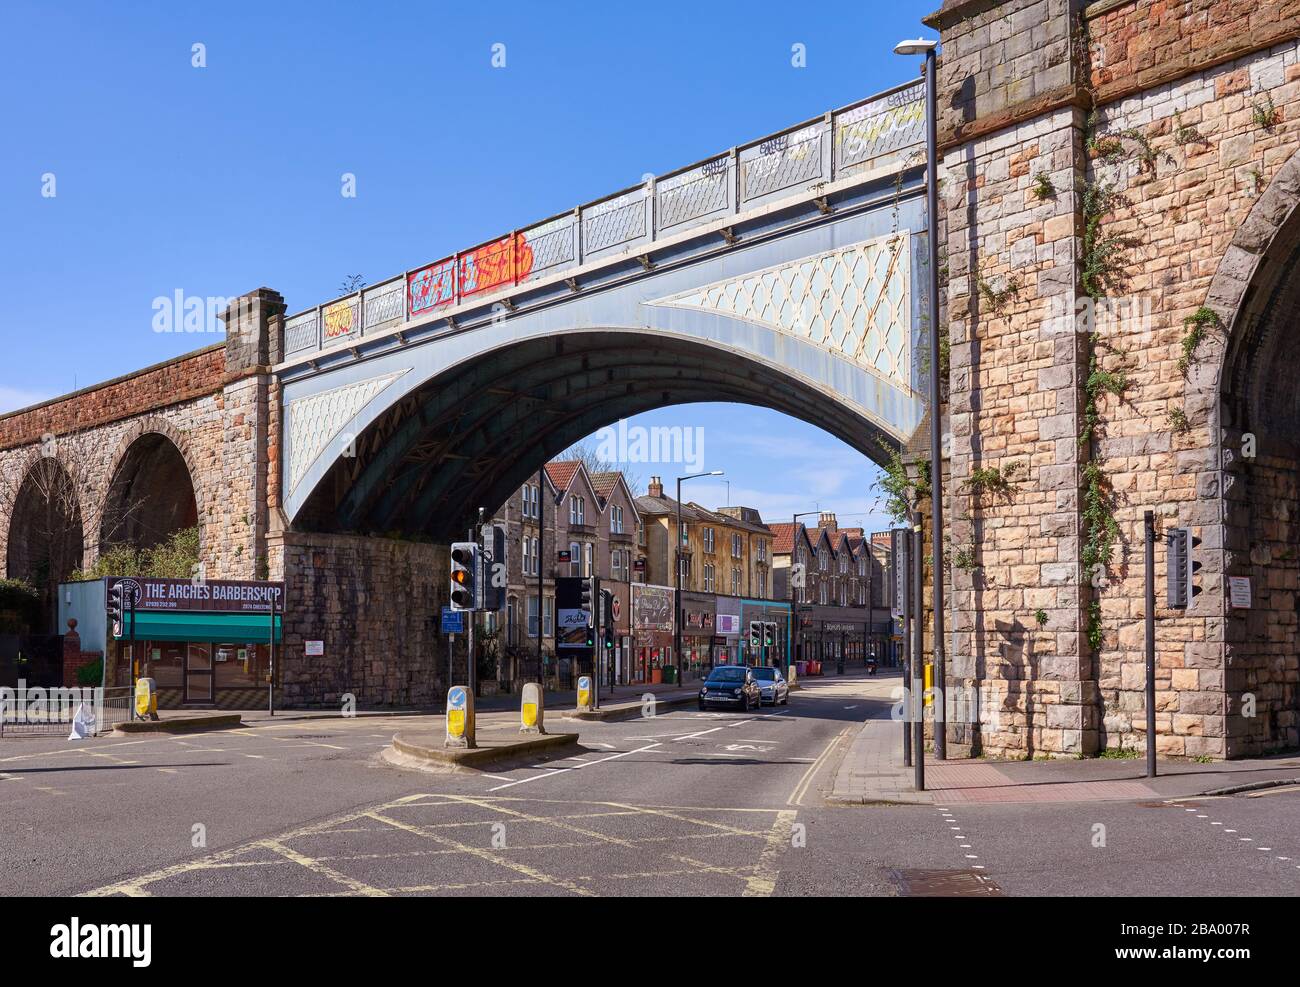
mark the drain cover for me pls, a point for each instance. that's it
(944, 884)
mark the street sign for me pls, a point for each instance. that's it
(314, 649)
(453, 621)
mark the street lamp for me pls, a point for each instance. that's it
(921, 46)
(677, 560)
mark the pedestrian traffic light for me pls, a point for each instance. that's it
(755, 634)
(1180, 577)
(465, 589)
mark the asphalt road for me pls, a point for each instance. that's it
(682, 803)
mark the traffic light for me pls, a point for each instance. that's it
(607, 609)
(494, 569)
(587, 595)
(769, 633)
(755, 634)
(115, 602)
(1180, 585)
(465, 589)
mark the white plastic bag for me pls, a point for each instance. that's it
(83, 724)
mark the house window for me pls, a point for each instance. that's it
(762, 586)
(640, 532)
(577, 511)
(532, 616)
(708, 540)
(616, 520)
(844, 563)
(862, 567)
(735, 582)
(823, 560)
(589, 552)
(526, 544)
(821, 593)
(616, 564)
(708, 577)
(575, 559)
(537, 558)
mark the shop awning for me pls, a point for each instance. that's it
(221, 628)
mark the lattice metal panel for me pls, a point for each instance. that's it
(692, 194)
(315, 420)
(781, 162)
(879, 127)
(300, 334)
(614, 221)
(853, 300)
(385, 305)
(552, 244)
(340, 320)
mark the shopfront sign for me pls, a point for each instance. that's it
(728, 623)
(208, 595)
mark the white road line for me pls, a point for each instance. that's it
(576, 767)
(691, 736)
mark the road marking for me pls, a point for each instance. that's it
(576, 767)
(692, 736)
(763, 881)
(796, 797)
(483, 854)
(315, 866)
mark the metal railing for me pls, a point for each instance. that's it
(50, 712)
(792, 162)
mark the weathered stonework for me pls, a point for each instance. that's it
(1180, 89)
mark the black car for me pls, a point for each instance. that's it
(730, 685)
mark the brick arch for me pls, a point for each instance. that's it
(152, 425)
(1238, 382)
(65, 541)
(1234, 287)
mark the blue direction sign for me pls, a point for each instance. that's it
(453, 621)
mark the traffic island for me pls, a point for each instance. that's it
(429, 749)
(179, 724)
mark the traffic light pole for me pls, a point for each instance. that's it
(1149, 595)
(598, 641)
(918, 648)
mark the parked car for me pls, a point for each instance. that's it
(730, 685)
(772, 686)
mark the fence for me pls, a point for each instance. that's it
(38, 712)
(797, 161)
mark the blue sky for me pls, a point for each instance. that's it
(216, 180)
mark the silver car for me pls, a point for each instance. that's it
(773, 690)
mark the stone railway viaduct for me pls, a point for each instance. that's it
(1136, 151)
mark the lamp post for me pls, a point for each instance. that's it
(928, 48)
(677, 560)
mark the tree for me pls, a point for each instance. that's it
(587, 453)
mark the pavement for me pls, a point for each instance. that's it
(873, 771)
(678, 802)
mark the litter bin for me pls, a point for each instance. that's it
(670, 674)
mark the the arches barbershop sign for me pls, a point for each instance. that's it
(209, 595)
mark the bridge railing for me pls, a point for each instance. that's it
(794, 162)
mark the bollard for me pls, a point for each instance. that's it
(146, 699)
(791, 675)
(532, 709)
(584, 693)
(460, 717)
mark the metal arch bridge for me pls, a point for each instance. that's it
(788, 272)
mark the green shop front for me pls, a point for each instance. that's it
(205, 643)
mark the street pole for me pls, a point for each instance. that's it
(901, 556)
(677, 593)
(537, 561)
(270, 686)
(1150, 598)
(936, 410)
(918, 648)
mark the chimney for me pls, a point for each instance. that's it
(827, 520)
(656, 487)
